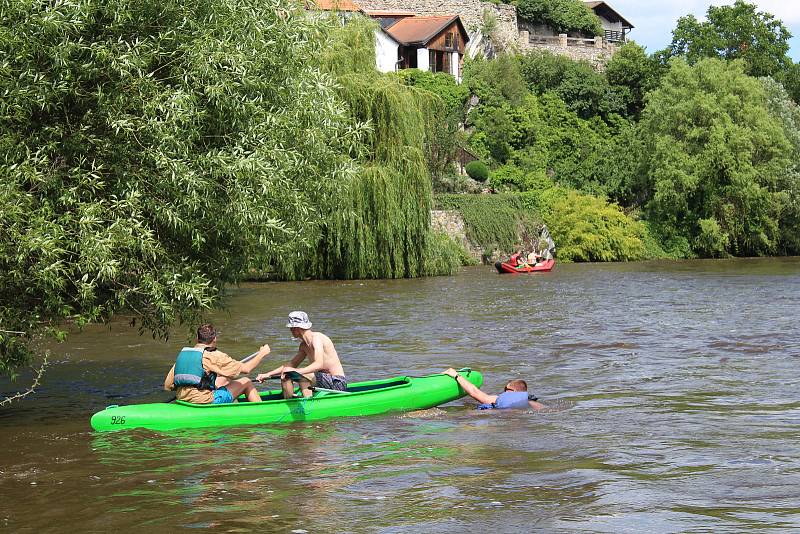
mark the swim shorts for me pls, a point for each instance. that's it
(222, 396)
(326, 381)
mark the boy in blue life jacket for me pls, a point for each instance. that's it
(204, 374)
(514, 395)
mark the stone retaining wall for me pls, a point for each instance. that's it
(598, 52)
(451, 222)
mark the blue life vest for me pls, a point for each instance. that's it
(189, 371)
(509, 400)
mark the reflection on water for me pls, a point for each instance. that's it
(673, 393)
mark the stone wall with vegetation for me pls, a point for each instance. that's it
(507, 29)
(470, 11)
(451, 223)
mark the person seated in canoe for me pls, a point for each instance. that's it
(324, 370)
(204, 374)
(514, 259)
(514, 395)
(533, 258)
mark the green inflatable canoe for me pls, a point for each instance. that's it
(402, 393)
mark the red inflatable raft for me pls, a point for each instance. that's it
(541, 267)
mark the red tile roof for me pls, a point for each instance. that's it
(419, 29)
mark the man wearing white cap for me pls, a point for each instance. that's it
(324, 370)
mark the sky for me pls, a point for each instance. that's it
(654, 20)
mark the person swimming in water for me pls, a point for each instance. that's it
(514, 396)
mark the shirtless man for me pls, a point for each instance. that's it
(324, 369)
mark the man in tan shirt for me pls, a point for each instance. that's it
(324, 370)
(207, 375)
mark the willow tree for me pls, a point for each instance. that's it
(379, 227)
(715, 161)
(151, 152)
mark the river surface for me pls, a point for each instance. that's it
(674, 391)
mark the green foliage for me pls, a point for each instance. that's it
(495, 81)
(714, 151)
(786, 111)
(499, 131)
(445, 256)
(631, 68)
(788, 196)
(489, 26)
(511, 177)
(586, 228)
(380, 225)
(492, 221)
(584, 90)
(711, 240)
(543, 136)
(790, 78)
(152, 152)
(616, 171)
(441, 84)
(477, 170)
(349, 48)
(455, 183)
(541, 201)
(734, 32)
(445, 136)
(563, 16)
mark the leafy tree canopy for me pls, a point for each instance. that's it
(734, 32)
(495, 81)
(586, 91)
(790, 78)
(151, 153)
(444, 85)
(715, 157)
(564, 16)
(632, 69)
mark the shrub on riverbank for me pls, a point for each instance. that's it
(445, 256)
(586, 228)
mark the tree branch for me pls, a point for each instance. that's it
(8, 400)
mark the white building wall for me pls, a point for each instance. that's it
(607, 25)
(385, 52)
(454, 66)
(423, 62)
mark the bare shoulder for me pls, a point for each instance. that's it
(322, 337)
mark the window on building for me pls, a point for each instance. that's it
(439, 61)
(451, 40)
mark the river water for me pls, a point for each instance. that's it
(674, 392)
